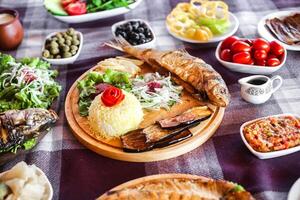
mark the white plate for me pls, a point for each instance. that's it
(273, 154)
(294, 193)
(145, 45)
(64, 61)
(250, 69)
(265, 33)
(97, 15)
(234, 25)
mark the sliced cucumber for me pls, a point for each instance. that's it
(55, 7)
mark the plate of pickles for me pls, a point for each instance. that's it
(201, 21)
(61, 48)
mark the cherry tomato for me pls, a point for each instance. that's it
(239, 46)
(260, 62)
(251, 62)
(248, 41)
(64, 3)
(226, 55)
(112, 96)
(271, 56)
(273, 62)
(242, 57)
(226, 44)
(77, 8)
(260, 43)
(260, 54)
(276, 48)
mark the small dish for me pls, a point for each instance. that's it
(265, 33)
(294, 193)
(64, 61)
(97, 15)
(150, 44)
(273, 154)
(250, 69)
(234, 25)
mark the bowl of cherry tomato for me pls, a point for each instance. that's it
(252, 56)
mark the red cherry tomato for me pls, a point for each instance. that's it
(112, 96)
(226, 55)
(226, 44)
(239, 46)
(260, 43)
(260, 62)
(241, 57)
(251, 62)
(276, 48)
(248, 41)
(64, 3)
(77, 8)
(271, 56)
(273, 62)
(260, 54)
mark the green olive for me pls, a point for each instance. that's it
(54, 38)
(67, 55)
(53, 44)
(74, 37)
(66, 48)
(74, 48)
(71, 31)
(75, 42)
(58, 35)
(73, 52)
(58, 56)
(68, 42)
(54, 51)
(51, 56)
(46, 53)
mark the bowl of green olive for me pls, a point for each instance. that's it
(61, 48)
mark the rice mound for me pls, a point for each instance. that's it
(115, 121)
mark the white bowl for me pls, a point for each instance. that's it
(264, 32)
(64, 61)
(250, 69)
(97, 15)
(273, 154)
(150, 44)
(294, 193)
(234, 25)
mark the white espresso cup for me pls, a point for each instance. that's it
(258, 89)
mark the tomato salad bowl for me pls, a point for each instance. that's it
(253, 67)
(286, 144)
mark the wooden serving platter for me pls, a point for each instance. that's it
(151, 178)
(112, 149)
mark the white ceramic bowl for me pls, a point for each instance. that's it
(97, 15)
(64, 61)
(264, 32)
(234, 25)
(150, 44)
(273, 154)
(250, 69)
(294, 193)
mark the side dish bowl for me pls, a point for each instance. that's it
(63, 61)
(273, 154)
(145, 45)
(250, 69)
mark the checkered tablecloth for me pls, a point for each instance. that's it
(78, 173)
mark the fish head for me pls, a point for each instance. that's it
(218, 95)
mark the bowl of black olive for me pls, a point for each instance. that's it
(61, 48)
(137, 32)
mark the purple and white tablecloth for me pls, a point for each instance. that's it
(78, 173)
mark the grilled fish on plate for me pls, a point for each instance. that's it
(194, 72)
(20, 128)
(176, 187)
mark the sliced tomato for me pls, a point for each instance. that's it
(77, 8)
(64, 3)
(112, 96)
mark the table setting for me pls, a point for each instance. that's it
(140, 99)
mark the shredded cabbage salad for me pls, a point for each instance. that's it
(155, 91)
(27, 83)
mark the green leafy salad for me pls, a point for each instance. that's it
(88, 86)
(100, 5)
(26, 83)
